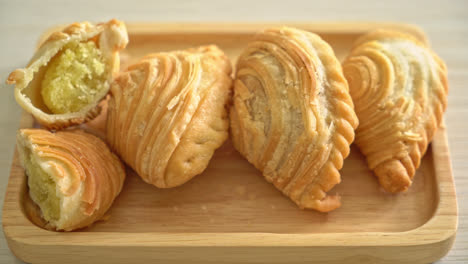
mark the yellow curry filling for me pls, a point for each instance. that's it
(74, 78)
(42, 189)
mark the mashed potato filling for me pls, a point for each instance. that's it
(43, 189)
(74, 78)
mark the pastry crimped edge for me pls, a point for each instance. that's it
(396, 173)
(171, 152)
(112, 39)
(83, 200)
(307, 192)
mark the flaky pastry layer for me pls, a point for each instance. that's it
(167, 113)
(292, 116)
(72, 176)
(399, 88)
(109, 38)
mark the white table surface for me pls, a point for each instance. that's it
(445, 22)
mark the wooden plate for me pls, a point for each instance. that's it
(229, 214)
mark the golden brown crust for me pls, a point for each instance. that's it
(110, 37)
(87, 174)
(167, 113)
(399, 88)
(292, 116)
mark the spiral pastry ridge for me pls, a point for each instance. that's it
(399, 88)
(72, 176)
(167, 113)
(293, 117)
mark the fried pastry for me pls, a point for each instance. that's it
(399, 87)
(292, 116)
(167, 113)
(72, 176)
(70, 73)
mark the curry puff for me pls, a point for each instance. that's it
(292, 116)
(167, 113)
(70, 73)
(72, 176)
(399, 87)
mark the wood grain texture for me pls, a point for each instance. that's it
(445, 23)
(232, 208)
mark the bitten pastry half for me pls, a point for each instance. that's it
(292, 116)
(70, 73)
(167, 113)
(399, 88)
(72, 176)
